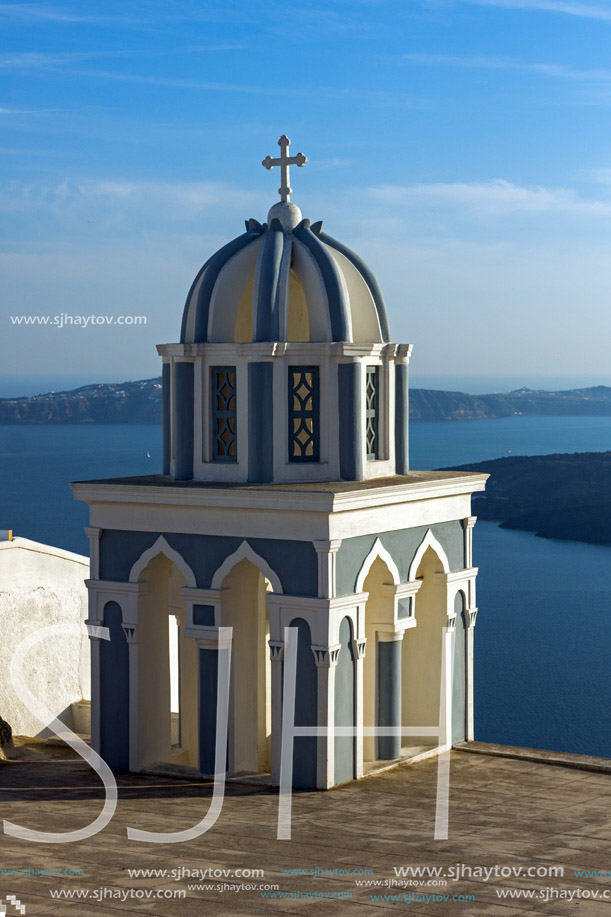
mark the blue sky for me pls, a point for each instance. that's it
(463, 147)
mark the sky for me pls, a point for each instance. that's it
(461, 147)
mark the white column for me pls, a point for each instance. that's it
(94, 643)
(469, 639)
(326, 661)
(99, 593)
(358, 648)
(130, 631)
(130, 625)
(276, 652)
(326, 551)
(468, 523)
(93, 533)
(445, 706)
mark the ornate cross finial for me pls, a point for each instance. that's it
(284, 161)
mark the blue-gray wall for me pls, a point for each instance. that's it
(166, 416)
(295, 562)
(183, 421)
(260, 423)
(114, 691)
(208, 694)
(306, 709)
(401, 419)
(402, 546)
(388, 678)
(350, 396)
(345, 704)
(459, 675)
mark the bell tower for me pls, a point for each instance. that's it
(285, 506)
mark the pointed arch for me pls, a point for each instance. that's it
(429, 541)
(162, 547)
(378, 550)
(245, 552)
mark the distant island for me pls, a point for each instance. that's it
(555, 496)
(140, 402)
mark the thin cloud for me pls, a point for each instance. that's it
(559, 71)
(342, 93)
(28, 111)
(50, 13)
(496, 197)
(114, 202)
(27, 60)
(32, 60)
(599, 11)
(207, 86)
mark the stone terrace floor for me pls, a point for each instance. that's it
(503, 812)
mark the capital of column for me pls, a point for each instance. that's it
(130, 632)
(326, 656)
(472, 612)
(327, 547)
(276, 650)
(358, 647)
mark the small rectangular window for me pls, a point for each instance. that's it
(371, 412)
(224, 413)
(304, 414)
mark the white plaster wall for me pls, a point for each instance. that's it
(40, 586)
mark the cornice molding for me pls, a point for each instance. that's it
(278, 499)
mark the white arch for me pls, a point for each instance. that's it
(245, 552)
(429, 541)
(162, 547)
(380, 551)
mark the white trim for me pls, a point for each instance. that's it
(316, 603)
(278, 499)
(378, 550)
(25, 544)
(258, 349)
(459, 576)
(245, 552)
(162, 547)
(429, 541)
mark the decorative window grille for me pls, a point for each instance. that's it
(304, 414)
(224, 418)
(371, 412)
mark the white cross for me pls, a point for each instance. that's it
(284, 161)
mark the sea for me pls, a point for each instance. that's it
(543, 633)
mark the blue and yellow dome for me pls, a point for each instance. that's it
(284, 280)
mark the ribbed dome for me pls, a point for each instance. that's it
(284, 282)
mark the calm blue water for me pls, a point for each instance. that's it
(544, 627)
(444, 443)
